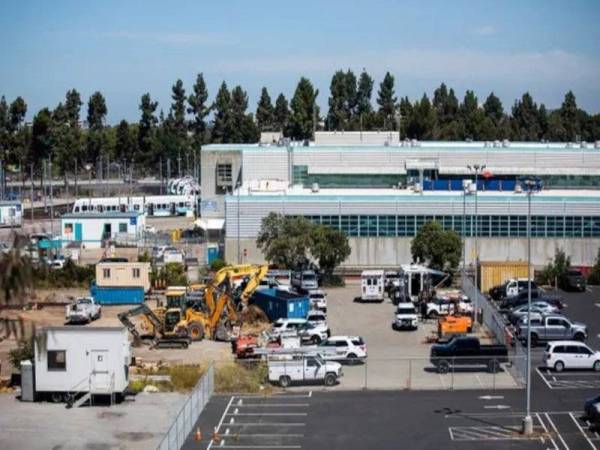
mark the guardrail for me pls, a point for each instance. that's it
(189, 412)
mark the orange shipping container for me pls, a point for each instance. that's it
(493, 273)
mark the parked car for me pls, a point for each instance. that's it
(82, 310)
(551, 328)
(560, 355)
(371, 286)
(538, 295)
(511, 288)
(538, 309)
(467, 351)
(314, 333)
(317, 317)
(305, 280)
(574, 281)
(406, 317)
(391, 281)
(591, 410)
(318, 299)
(309, 368)
(351, 349)
(443, 307)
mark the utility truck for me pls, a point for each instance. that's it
(303, 369)
(82, 310)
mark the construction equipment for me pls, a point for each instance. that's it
(455, 324)
(165, 331)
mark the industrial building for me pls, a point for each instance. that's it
(381, 194)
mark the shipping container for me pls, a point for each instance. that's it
(494, 273)
(117, 295)
(278, 304)
(123, 274)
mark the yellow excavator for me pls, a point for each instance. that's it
(208, 310)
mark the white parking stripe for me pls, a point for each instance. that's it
(556, 431)
(546, 431)
(284, 405)
(220, 422)
(267, 424)
(266, 414)
(543, 377)
(583, 431)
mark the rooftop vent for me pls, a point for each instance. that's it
(497, 143)
(583, 144)
(569, 145)
(597, 144)
(505, 143)
(315, 188)
(518, 189)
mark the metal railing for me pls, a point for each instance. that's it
(189, 412)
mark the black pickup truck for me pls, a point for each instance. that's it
(467, 351)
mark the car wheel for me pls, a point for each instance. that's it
(579, 337)
(315, 340)
(284, 381)
(443, 367)
(559, 366)
(596, 366)
(330, 379)
(196, 331)
(57, 397)
(433, 315)
(534, 340)
(352, 359)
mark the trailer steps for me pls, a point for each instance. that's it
(81, 400)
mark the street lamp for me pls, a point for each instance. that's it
(88, 168)
(531, 185)
(476, 169)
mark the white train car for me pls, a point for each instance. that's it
(152, 205)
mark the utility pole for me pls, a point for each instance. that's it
(476, 169)
(160, 174)
(31, 177)
(51, 195)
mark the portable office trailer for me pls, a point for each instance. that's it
(280, 304)
(92, 229)
(11, 213)
(123, 274)
(73, 360)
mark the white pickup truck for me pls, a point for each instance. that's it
(82, 310)
(286, 370)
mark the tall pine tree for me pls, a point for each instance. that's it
(305, 112)
(386, 99)
(265, 112)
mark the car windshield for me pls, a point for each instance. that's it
(358, 341)
(575, 273)
(405, 311)
(308, 276)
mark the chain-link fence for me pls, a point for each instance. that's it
(189, 413)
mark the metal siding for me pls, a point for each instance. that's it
(117, 295)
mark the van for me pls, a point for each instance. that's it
(305, 280)
(372, 286)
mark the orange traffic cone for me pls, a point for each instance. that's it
(198, 435)
(216, 437)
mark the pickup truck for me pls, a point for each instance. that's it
(289, 369)
(467, 351)
(443, 307)
(511, 287)
(82, 310)
(537, 295)
(551, 328)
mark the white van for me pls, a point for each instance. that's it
(372, 286)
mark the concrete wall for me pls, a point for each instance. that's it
(389, 252)
(209, 180)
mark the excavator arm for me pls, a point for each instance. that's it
(125, 317)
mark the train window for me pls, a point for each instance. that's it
(100, 208)
(136, 207)
(84, 208)
(76, 209)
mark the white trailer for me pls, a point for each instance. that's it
(372, 285)
(75, 364)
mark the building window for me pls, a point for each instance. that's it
(122, 228)
(136, 272)
(57, 360)
(106, 273)
(68, 228)
(224, 174)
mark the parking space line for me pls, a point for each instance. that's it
(267, 424)
(264, 405)
(543, 378)
(583, 431)
(265, 414)
(546, 431)
(220, 422)
(556, 431)
(259, 446)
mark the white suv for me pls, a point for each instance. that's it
(318, 299)
(351, 349)
(406, 317)
(560, 355)
(308, 332)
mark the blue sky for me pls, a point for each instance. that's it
(125, 48)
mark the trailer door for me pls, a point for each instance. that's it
(100, 372)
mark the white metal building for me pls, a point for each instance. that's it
(11, 213)
(93, 229)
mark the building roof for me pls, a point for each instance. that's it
(10, 203)
(102, 215)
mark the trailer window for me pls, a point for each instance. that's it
(136, 272)
(57, 360)
(106, 273)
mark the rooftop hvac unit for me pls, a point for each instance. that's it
(518, 189)
(569, 145)
(472, 188)
(487, 144)
(417, 187)
(413, 143)
(315, 188)
(583, 144)
(597, 144)
(497, 143)
(505, 143)
(466, 184)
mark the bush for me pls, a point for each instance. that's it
(218, 264)
(171, 274)
(185, 377)
(333, 281)
(594, 276)
(70, 276)
(233, 377)
(23, 352)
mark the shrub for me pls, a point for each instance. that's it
(218, 264)
(23, 352)
(70, 276)
(333, 281)
(233, 377)
(185, 377)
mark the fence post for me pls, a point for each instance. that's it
(409, 374)
(366, 370)
(452, 374)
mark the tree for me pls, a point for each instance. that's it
(569, 115)
(199, 110)
(471, 115)
(265, 112)
(16, 141)
(594, 277)
(386, 100)
(124, 142)
(525, 116)
(305, 112)
(147, 129)
(96, 138)
(59, 136)
(41, 138)
(364, 109)
(556, 271)
(243, 127)
(337, 117)
(285, 240)
(436, 247)
(421, 124)
(281, 115)
(221, 126)
(177, 126)
(493, 108)
(330, 247)
(4, 129)
(73, 105)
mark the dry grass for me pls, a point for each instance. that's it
(232, 377)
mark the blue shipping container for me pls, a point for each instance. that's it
(279, 304)
(117, 295)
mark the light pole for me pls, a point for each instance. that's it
(238, 187)
(531, 185)
(88, 168)
(476, 169)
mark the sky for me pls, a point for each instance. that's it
(128, 47)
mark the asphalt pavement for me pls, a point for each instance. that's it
(464, 419)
